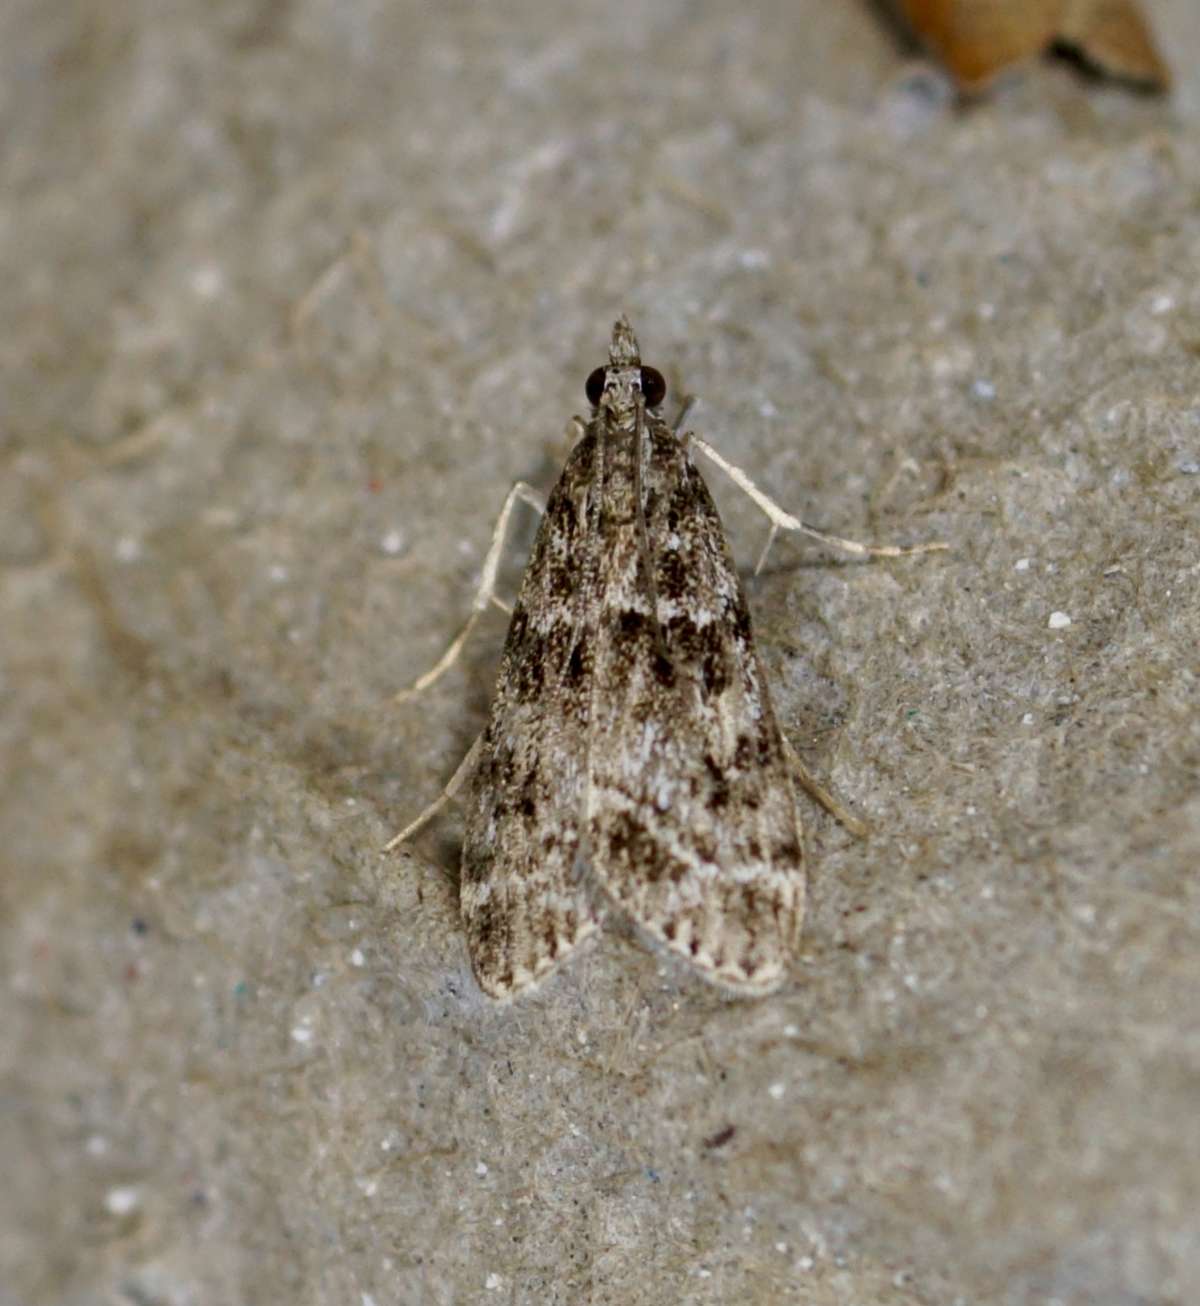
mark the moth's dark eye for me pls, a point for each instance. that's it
(654, 387)
(595, 385)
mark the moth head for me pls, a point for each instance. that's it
(618, 385)
(648, 380)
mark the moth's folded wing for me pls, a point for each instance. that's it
(692, 824)
(525, 903)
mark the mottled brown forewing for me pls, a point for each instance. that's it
(691, 820)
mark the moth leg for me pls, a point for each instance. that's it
(457, 780)
(484, 595)
(784, 521)
(820, 794)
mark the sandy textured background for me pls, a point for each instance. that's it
(292, 292)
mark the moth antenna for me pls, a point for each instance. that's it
(643, 535)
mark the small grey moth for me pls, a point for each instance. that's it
(632, 763)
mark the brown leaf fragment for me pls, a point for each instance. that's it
(977, 39)
(1113, 36)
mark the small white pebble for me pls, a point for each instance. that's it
(702, 1273)
(781, 1248)
(983, 389)
(392, 543)
(120, 1201)
(302, 1034)
(776, 1091)
(1027, 719)
(1059, 621)
(96, 1145)
(128, 548)
(804, 1263)
(1021, 564)
(208, 281)
(1162, 304)
(791, 1031)
(481, 1169)
(357, 958)
(277, 572)
(492, 1282)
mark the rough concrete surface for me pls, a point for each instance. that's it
(293, 291)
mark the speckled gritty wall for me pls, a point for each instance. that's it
(293, 292)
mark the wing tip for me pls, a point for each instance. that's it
(502, 982)
(760, 969)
